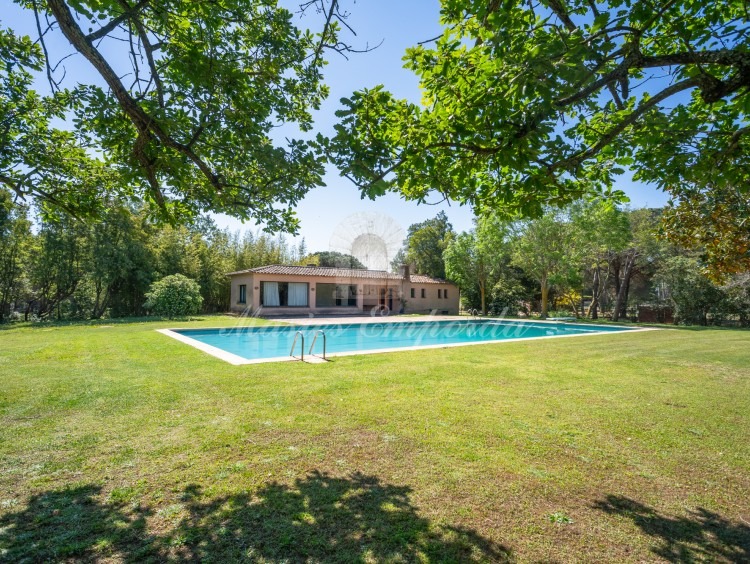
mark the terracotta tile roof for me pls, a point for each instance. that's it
(333, 272)
(422, 279)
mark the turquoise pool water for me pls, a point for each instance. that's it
(256, 343)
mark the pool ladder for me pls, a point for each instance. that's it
(294, 343)
(301, 335)
(315, 338)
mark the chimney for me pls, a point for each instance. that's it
(404, 272)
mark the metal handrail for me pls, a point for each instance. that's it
(302, 350)
(315, 338)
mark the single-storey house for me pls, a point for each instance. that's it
(302, 290)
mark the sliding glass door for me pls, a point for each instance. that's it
(284, 294)
(335, 295)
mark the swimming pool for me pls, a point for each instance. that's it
(245, 345)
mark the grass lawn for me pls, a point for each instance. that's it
(119, 443)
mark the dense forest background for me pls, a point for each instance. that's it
(62, 268)
(591, 259)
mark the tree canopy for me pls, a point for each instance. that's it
(73, 269)
(38, 160)
(333, 259)
(716, 220)
(527, 104)
(545, 251)
(180, 114)
(424, 246)
(476, 259)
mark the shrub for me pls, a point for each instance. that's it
(695, 298)
(508, 297)
(174, 296)
(737, 291)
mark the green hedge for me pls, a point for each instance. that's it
(174, 296)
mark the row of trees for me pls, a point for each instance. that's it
(589, 259)
(64, 268)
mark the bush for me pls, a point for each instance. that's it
(508, 297)
(696, 300)
(738, 297)
(174, 296)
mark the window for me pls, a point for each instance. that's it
(243, 294)
(283, 294)
(335, 295)
(445, 294)
(413, 293)
(424, 293)
(440, 293)
(346, 295)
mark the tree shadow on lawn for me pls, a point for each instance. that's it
(703, 536)
(318, 518)
(70, 523)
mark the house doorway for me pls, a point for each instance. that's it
(386, 298)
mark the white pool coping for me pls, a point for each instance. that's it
(237, 360)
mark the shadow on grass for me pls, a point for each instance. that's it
(703, 536)
(318, 518)
(71, 524)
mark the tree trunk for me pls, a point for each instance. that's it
(484, 304)
(545, 297)
(101, 304)
(626, 292)
(5, 302)
(106, 297)
(593, 312)
(622, 287)
(616, 267)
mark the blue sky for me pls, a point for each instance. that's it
(399, 25)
